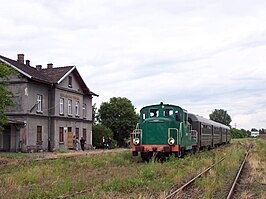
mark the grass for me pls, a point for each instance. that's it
(118, 175)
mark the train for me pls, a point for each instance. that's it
(166, 129)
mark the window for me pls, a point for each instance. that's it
(69, 129)
(39, 103)
(39, 135)
(77, 133)
(61, 134)
(177, 116)
(185, 117)
(85, 134)
(168, 112)
(154, 113)
(70, 81)
(84, 110)
(144, 116)
(61, 106)
(77, 108)
(69, 105)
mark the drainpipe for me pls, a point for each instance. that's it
(49, 117)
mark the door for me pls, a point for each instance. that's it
(70, 139)
(6, 138)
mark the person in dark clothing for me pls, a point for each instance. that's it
(109, 143)
(82, 143)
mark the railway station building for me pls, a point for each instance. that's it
(53, 104)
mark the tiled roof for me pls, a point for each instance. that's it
(47, 75)
(31, 71)
(55, 74)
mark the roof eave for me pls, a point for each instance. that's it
(14, 67)
(62, 78)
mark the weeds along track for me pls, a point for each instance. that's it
(187, 190)
(189, 183)
(54, 156)
(232, 190)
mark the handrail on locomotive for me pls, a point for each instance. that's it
(137, 133)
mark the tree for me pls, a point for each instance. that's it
(119, 115)
(94, 114)
(100, 131)
(239, 133)
(221, 116)
(6, 96)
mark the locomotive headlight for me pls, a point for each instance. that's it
(136, 141)
(171, 141)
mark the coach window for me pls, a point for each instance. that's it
(177, 116)
(168, 112)
(154, 113)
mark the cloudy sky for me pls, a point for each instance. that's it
(200, 55)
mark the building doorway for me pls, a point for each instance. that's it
(6, 139)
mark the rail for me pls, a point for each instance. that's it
(239, 172)
(193, 179)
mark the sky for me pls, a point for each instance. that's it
(200, 55)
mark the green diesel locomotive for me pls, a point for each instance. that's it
(166, 129)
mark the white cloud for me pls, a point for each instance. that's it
(201, 55)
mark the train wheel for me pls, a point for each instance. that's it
(195, 150)
(146, 156)
(181, 153)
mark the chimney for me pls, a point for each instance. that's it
(21, 58)
(49, 66)
(27, 62)
(39, 67)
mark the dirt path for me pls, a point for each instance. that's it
(56, 155)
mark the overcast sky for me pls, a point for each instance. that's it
(200, 55)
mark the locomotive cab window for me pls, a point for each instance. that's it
(168, 112)
(144, 116)
(154, 113)
(177, 116)
(185, 115)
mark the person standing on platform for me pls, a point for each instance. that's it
(82, 143)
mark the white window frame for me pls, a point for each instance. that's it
(69, 106)
(84, 110)
(77, 108)
(61, 106)
(39, 103)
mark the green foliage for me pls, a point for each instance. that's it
(94, 114)
(262, 131)
(239, 133)
(119, 115)
(100, 131)
(221, 116)
(62, 150)
(6, 96)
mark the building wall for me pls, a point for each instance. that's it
(26, 97)
(49, 119)
(73, 124)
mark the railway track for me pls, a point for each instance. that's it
(231, 192)
(233, 186)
